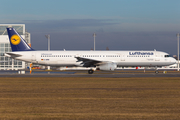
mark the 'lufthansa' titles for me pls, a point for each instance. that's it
(141, 53)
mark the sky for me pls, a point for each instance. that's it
(119, 24)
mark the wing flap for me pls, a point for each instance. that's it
(87, 62)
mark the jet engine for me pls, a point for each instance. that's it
(108, 66)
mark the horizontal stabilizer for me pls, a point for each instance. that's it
(12, 55)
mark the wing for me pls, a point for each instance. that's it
(87, 62)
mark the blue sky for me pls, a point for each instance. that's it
(119, 24)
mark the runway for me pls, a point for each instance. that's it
(116, 74)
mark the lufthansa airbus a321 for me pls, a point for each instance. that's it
(103, 60)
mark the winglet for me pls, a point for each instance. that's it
(16, 41)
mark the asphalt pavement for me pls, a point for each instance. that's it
(105, 74)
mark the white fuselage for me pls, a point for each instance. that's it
(121, 58)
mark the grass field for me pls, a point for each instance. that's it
(90, 98)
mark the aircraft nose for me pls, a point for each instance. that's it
(173, 60)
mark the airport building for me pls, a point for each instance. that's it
(7, 63)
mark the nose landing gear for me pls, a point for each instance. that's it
(156, 70)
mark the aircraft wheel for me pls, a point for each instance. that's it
(156, 71)
(90, 71)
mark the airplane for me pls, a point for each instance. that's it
(102, 60)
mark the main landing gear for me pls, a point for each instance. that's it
(90, 71)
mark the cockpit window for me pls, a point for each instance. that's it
(166, 55)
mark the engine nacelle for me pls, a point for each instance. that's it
(108, 66)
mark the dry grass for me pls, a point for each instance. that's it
(90, 98)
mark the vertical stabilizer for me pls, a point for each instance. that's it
(16, 41)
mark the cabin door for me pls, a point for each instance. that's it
(157, 57)
(33, 58)
(122, 57)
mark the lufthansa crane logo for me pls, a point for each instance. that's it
(15, 39)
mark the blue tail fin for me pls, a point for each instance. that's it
(17, 42)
